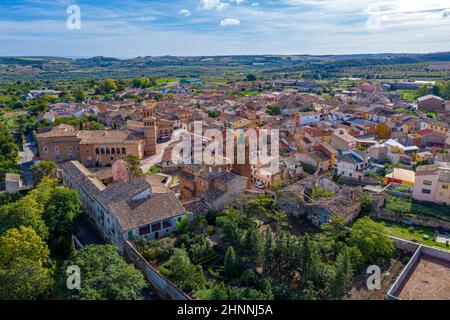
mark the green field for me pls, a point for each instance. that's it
(410, 95)
(425, 209)
(412, 233)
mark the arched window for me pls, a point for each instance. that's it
(97, 151)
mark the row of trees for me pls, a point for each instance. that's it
(440, 89)
(36, 247)
(9, 153)
(48, 214)
(257, 259)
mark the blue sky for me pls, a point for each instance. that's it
(220, 27)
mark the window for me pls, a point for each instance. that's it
(113, 151)
(69, 149)
(108, 151)
(45, 149)
(57, 149)
(124, 151)
(427, 182)
(97, 151)
(426, 191)
(118, 151)
(130, 235)
(166, 224)
(102, 151)
(144, 230)
(445, 186)
(156, 227)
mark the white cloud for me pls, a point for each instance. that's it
(382, 14)
(147, 19)
(255, 4)
(445, 13)
(213, 5)
(184, 13)
(229, 22)
(238, 2)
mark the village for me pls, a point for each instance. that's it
(349, 151)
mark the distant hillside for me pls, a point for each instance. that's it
(326, 66)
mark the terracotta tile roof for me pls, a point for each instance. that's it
(161, 204)
(108, 136)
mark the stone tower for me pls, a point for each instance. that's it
(150, 136)
(242, 169)
(150, 128)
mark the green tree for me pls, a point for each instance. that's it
(9, 153)
(187, 275)
(423, 91)
(342, 281)
(268, 250)
(79, 94)
(109, 86)
(369, 237)
(62, 212)
(43, 169)
(274, 110)
(105, 275)
(230, 262)
(309, 261)
(366, 202)
(23, 256)
(251, 77)
(24, 212)
(143, 82)
(134, 163)
(252, 245)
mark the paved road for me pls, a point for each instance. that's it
(147, 163)
(26, 161)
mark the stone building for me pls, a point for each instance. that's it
(215, 186)
(431, 103)
(96, 148)
(141, 208)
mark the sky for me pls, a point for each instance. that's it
(132, 28)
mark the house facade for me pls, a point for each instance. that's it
(432, 184)
(351, 165)
(142, 208)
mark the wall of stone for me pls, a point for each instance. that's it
(419, 221)
(163, 287)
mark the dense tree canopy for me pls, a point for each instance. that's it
(9, 153)
(43, 169)
(24, 212)
(369, 237)
(23, 259)
(104, 275)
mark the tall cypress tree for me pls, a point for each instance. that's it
(230, 262)
(342, 281)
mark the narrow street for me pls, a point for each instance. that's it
(26, 158)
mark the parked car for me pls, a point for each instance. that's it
(163, 138)
(259, 185)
